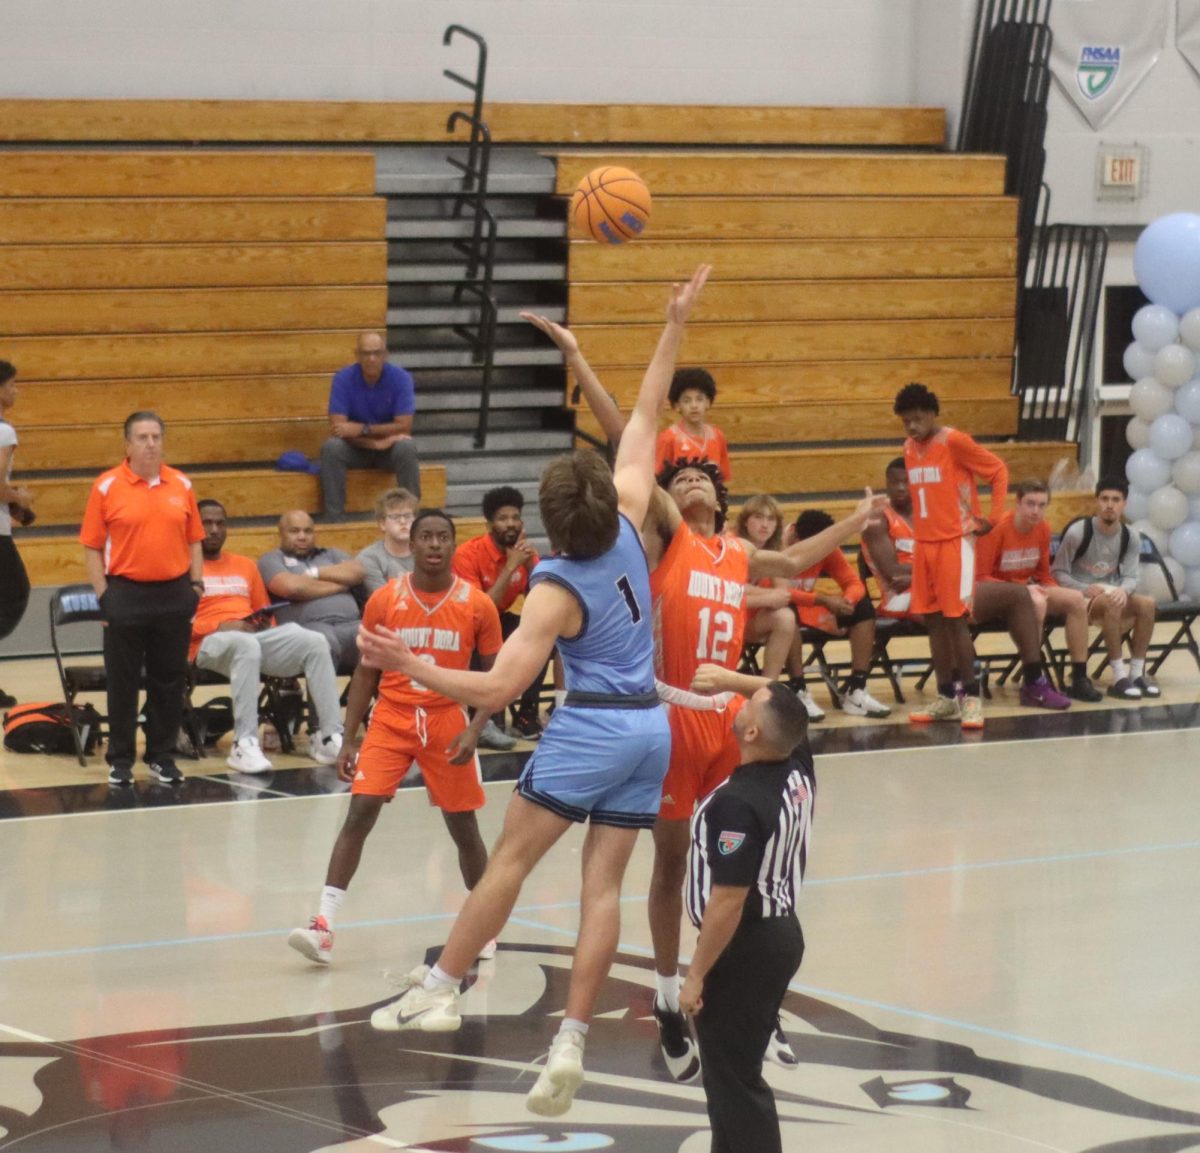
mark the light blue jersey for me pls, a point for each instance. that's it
(604, 754)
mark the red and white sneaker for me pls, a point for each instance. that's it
(315, 942)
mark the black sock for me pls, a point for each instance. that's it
(857, 681)
(1079, 670)
(946, 690)
(971, 689)
(798, 683)
(1033, 670)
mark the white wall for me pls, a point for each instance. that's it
(653, 51)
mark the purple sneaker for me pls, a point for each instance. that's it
(1041, 694)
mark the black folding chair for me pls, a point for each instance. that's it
(76, 605)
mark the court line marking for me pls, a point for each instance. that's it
(425, 918)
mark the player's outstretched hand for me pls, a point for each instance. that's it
(683, 297)
(384, 649)
(870, 508)
(563, 337)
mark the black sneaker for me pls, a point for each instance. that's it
(1148, 687)
(1082, 689)
(779, 1048)
(166, 772)
(120, 775)
(1125, 690)
(527, 727)
(678, 1049)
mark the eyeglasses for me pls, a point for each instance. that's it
(400, 516)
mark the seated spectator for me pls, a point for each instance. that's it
(390, 556)
(318, 582)
(692, 392)
(887, 549)
(371, 406)
(847, 613)
(1018, 550)
(1098, 556)
(231, 635)
(770, 621)
(499, 563)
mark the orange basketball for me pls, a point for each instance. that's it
(611, 205)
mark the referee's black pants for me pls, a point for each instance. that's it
(742, 995)
(149, 626)
(14, 587)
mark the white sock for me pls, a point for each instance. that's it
(1120, 670)
(439, 979)
(331, 901)
(1137, 667)
(570, 1024)
(668, 990)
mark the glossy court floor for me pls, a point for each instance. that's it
(1003, 948)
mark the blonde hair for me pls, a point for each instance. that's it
(763, 504)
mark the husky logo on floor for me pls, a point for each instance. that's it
(323, 1081)
(1097, 70)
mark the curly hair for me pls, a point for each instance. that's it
(916, 398)
(673, 468)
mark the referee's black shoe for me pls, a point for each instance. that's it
(678, 1048)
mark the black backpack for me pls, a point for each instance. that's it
(46, 728)
(1088, 529)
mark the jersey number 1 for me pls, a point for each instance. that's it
(924, 513)
(635, 610)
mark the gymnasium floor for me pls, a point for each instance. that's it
(1002, 956)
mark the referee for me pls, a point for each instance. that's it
(749, 848)
(141, 539)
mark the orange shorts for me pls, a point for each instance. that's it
(943, 578)
(703, 753)
(397, 737)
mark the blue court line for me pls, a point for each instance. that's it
(419, 918)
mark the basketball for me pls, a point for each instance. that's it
(611, 205)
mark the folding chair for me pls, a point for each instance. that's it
(74, 605)
(281, 702)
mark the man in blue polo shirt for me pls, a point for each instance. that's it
(371, 406)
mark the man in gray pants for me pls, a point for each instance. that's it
(232, 635)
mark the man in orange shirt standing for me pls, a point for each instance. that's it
(943, 464)
(1018, 550)
(444, 620)
(499, 563)
(141, 539)
(233, 635)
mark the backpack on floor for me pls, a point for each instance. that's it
(46, 728)
(214, 719)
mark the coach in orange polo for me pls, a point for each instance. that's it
(141, 544)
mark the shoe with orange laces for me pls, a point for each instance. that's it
(939, 709)
(315, 942)
(972, 713)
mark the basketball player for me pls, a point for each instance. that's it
(444, 619)
(942, 465)
(605, 750)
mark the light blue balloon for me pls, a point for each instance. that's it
(1137, 506)
(1138, 362)
(1170, 436)
(1185, 544)
(1155, 327)
(1191, 584)
(1147, 471)
(1166, 261)
(1187, 400)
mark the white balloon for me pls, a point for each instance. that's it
(1160, 536)
(1189, 329)
(1174, 365)
(1178, 574)
(1187, 400)
(1152, 583)
(1191, 584)
(1185, 544)
(1147, 471)
(1138, 361)
(1194, 505)
(1170, 436)
(1137, 433)
(1150, 400)
(1185, 472)
(1137, 505)
(1155, 326)
(1167, 509)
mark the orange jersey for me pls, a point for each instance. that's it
(676, 442)
(698, 588)
(1007, 554)
(941, 478)
(901, 533)
(836, 567)
(232, 591)
(442, 628)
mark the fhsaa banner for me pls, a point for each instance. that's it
(1103, 50)
(1187, 38)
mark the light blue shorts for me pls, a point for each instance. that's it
(606, 765)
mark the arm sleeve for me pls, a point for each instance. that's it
(1064, 559)
(838, 567)
(1042, 574)
(1131, 562)
(802, 598)
(735, 842)
(405, 401)
(982, 463)
(488, 637)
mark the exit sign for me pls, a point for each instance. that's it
(1120, 172)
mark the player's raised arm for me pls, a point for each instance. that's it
(633, 471)
(805, 553)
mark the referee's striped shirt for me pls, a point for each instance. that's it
(754, 830)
